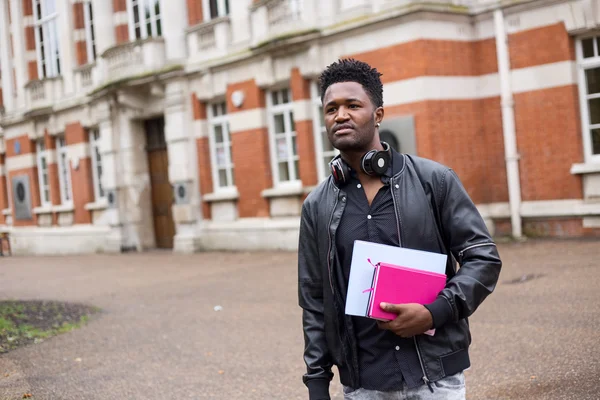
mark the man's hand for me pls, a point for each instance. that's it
(413, 319)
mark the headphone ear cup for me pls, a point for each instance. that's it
(339, 171)
(380, 162)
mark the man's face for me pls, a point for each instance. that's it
(350, 117)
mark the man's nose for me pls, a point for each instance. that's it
(341, 115)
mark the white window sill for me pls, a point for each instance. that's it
(43, 210)
(7, 211)
(63, 208)
(222, 195)
(586, 168)
(287, 189)
(97, 205)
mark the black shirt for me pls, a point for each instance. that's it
(385, 359)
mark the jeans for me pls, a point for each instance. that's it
(450, 388)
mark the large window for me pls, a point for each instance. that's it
(64, 172)
(284, 151)
(325, 151)
(96, 164)
(46, 38)
(220, 147)
(42, 167)
(144, 19)
(588, 50)
(90, 35)
(215, 8)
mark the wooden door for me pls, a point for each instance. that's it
(162, 193)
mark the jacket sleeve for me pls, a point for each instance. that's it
(467, 236)
(310, 294)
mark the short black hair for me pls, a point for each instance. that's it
(351, 70)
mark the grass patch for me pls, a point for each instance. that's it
(25, 322)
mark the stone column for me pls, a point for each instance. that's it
(173, 14)
(183, 172)
(65, 42)
(7, 75)
(20, 65)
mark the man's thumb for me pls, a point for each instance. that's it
(389, 307)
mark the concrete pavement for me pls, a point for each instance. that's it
(159, 336)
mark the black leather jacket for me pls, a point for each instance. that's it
(433, 213)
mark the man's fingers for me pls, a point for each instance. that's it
(393, 308)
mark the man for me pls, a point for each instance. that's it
(376, 194)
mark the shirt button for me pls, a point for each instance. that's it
(343, 199)
(359, 186)
(369, 217)
(397, 347)
(397, 186)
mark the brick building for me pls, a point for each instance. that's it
(196, 124)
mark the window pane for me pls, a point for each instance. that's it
(297, 169)
(274, 98)
(594, 111)
(222, 178)
(592, 77)
(283, 172)
(285, 93)
(326, 166)
(588, 47)
(214, 13)
(218, 133)
(595, 141)
(282, 150)
(136, 14)
(46, 195)
(292, 122)
(294, 145)
(232, 177)
(279, 124)
(221, 162)
(227, 7)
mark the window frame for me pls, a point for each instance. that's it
(42, 155)
(90, 35)
(96, 156)
(583, 65)
(223, 121)
(223, 9)
(318, 130)
(48, 23)
(154, 19)
(64, 168)
(287, 109)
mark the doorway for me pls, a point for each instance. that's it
(161, 191)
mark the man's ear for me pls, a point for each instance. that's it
(379, 115)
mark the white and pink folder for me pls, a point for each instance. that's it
(396, 275)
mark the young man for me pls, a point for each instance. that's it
(376, 194)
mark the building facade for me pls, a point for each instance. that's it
(196, 124)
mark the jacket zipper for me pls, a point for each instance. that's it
(462, 252)
(425, 379)
(396, 212)
(330, 243)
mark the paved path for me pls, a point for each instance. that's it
(159, 336)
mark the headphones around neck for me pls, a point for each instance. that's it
(374, 162)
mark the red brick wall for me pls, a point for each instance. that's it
(549, 142)
(27, 7)
(79, 23)
(195, 15)
(122, 33)
(32, 69)
(29, 38)
(29, 34)
(119, 5)
(250, 153)
(526, 51)
(199, 108)
(81, 178)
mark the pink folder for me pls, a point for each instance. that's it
(401, 285)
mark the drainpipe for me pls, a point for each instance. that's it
(508, 125)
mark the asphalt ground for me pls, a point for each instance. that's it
(227, 326)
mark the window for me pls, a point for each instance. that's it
(589, 87)
(42, 167)
(215, 8)
(284, 152)
(144, 19)
(64, 172)
(90, 35)
(46, 38)
(220, 147)
(325, 151)
(96, 164)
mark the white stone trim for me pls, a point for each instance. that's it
(121, 18)
(7, 211)
(78, 151)
(284, 189)
(2, 170)
(303, 110)
(79, 35)
(43, 210)
(28, 20)
(200, 127)
(248, 120)
(22, 161)
(542, 209)
(30, 55)
(222, 195)
(545, 76)
(97, 205)
(63, 208)
(587, 168)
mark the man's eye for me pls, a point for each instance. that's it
(330, 110)
(354, 106)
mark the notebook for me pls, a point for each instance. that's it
(366, 256)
